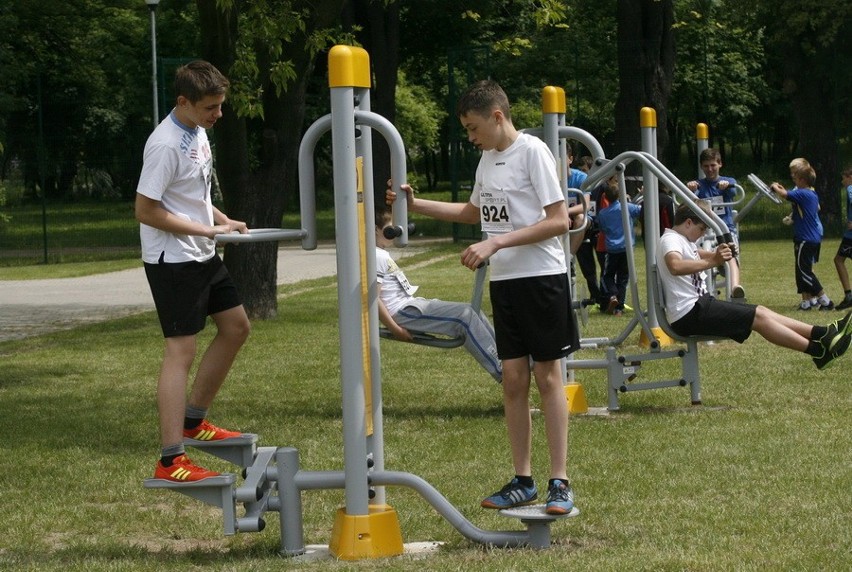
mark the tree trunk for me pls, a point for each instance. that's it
(813, 102)
(258, 197)
(379, 23)
(646, 52)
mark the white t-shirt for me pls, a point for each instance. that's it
(681, 292)
(177, 171)
(512, 188)
(396, 290)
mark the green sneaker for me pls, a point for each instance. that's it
(835, 342)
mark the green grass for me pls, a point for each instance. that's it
(758, 478)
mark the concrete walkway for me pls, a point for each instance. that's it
(32, 307)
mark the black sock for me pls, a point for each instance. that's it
(552, 482)
(191, 422)
(815, 349)
(167, 460)
(818, 332)
(526, 481)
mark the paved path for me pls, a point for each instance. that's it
(32, 307)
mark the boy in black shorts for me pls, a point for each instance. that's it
(519, 203)
(844, 251)
(691, 311)
(188, 280)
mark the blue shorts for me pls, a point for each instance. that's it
(185, 293)
(533, 317)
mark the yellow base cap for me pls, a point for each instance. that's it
(664, 339)
(576, 398)
(376, 535)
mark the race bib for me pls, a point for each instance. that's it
(494, 212)
(403, 282)
(716, 203)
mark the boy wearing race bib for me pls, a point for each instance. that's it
(519, 203)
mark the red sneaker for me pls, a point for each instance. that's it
(182, 470)
(206, 431)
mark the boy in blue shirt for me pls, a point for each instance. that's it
(845, 249)
(616, 271)
(807, 233)
(718, 189)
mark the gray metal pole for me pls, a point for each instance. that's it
(349, 300)
(651, 224)
(153, 7)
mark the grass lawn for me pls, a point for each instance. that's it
(757, 478)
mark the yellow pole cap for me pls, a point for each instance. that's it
(647, 117)
(702, 131)
(552, 99)
(348, 66)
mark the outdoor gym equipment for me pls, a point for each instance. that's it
(623, 370)
(366, 527)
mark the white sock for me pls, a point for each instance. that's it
(824, 300)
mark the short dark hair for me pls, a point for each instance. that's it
(383, 217)
(710, 154)
(685, 212)
(198, 79)
(481, 98)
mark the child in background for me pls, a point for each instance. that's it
(845, 249)
(807, 233)
(616, 272)
(718, 189)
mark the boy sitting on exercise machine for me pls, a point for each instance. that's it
(691, 311)
(400, 311)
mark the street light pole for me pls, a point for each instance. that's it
(152, 5)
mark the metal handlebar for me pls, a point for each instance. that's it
(262, 235)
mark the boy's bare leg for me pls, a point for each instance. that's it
(781, 330)
(233, 329)
(734, 272)
(554, 406)
(516, 406)
(842, 273)
(178, 355)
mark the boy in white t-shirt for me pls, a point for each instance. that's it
(188, 280)
(400, 310)
(691, 311)
(518, 201)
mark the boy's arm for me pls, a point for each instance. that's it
(453, 212)
(387, 321)
(554, 223)
(779, 190)
(152, 213)
(679, 266)
(222, 219)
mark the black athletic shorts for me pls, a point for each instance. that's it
(533, 317)
(717, 318)
(185, 293)
(845, 248)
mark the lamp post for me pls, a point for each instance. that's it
(152, 5)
